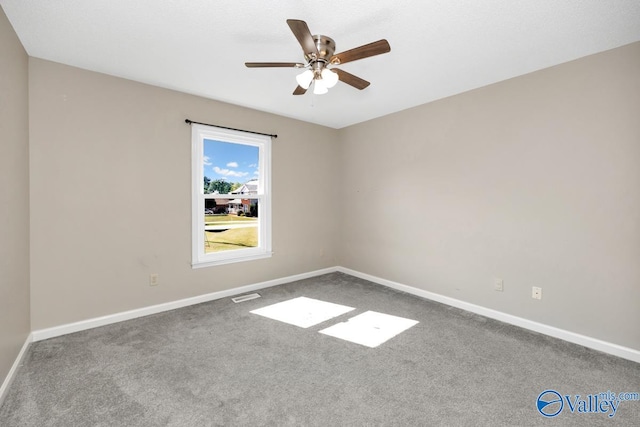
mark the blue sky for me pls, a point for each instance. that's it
(232, 162)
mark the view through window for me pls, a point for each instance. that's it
(231, 197)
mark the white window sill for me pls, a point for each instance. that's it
(213, 263)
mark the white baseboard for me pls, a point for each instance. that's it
(583, 340)
(594, 343)
(14, 368)
(56, 331)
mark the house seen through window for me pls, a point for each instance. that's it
(231, 200)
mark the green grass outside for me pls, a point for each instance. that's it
(235, 238)
(214, 219)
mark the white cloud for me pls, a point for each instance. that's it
(206, 160)
(228, 172)
(232, 164)
(253, 165)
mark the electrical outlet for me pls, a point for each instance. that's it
(498, 285)
(153, 279)
(536, 293)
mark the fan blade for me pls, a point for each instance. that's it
(274, 64)
(302, 33)
(365, 51)
(351, 80)
(299, 91)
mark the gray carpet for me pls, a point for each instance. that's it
(217, 364)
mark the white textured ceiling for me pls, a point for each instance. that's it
(438, 47)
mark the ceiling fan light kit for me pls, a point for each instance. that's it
(304, 80)
(319, 88)
(329, 78)
(318, 53)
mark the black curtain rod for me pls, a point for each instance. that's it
(187, 121)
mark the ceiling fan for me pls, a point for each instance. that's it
(319, 55)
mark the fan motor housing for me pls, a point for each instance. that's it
(326, 47)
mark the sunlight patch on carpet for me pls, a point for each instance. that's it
(370, 328)
(302, 311)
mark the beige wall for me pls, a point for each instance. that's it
(14, 197)
(111, 201)
(535, 180)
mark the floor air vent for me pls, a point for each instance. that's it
(244, 298)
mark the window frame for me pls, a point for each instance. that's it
(199, 258)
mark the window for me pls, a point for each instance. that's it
(231, 209)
